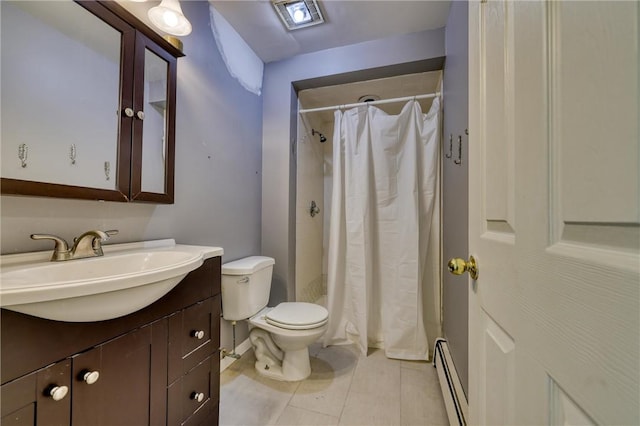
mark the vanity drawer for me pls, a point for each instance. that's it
(194, 334)
(194, 397)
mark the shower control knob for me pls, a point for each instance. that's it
(197, 396)
(459, 266)
(198, 334)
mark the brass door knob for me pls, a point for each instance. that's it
(459, 266)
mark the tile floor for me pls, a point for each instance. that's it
(344, 388)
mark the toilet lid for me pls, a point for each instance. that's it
(297, 315)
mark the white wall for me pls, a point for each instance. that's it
(218, 169)
(309, 230)
(278, 163)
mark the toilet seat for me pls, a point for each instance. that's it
(297, 316)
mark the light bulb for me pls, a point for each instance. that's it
(298, 15)
(170, 18)
(298, 12)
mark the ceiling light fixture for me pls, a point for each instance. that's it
(296, 14)
(299, 12)
(169, 18)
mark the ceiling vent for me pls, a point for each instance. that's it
(296, 14)
(369, 98)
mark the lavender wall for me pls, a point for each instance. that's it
(454, 196)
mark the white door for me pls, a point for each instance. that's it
(554, 212)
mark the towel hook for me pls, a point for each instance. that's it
(72, 153)
(459, 160)
(314, 209)
(23, 152)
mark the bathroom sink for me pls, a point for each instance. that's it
(126, 279)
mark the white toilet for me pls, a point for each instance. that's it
(280, 336)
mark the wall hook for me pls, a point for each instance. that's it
(314, 209)
(450, 147)
(72, 153)
(23, 152)
(459, 160)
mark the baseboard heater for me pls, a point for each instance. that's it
(455, 400)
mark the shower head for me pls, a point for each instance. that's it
(315, 132)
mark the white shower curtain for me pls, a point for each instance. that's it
(383, 277)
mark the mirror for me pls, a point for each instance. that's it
(154, 143)
(60, 94)
(153, 147)
(88, 102)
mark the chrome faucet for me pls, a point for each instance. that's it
(86, 245)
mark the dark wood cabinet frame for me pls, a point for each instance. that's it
(136, 36)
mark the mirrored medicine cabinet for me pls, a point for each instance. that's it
(88, 103)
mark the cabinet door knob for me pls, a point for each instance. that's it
(198, 334)
(91, 377)
(58, 392)
(140, 115)
(128, 112)
(197, 396)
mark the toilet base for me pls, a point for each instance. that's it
(295, 366)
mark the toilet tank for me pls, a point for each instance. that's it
(246, 284)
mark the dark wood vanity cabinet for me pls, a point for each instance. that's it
(157, 366)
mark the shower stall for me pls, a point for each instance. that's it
(314, 193)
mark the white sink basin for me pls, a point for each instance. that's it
(127, 278)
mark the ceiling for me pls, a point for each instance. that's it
(346, 22)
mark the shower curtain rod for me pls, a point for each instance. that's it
(383, 101)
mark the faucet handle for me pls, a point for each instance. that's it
(61, 249)
(97, 242)
(61, 244)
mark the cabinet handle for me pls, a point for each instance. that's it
(128, 112)
(140, 115)
(90, 377)
(58, 392)
(198, 334)
(197, 396)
